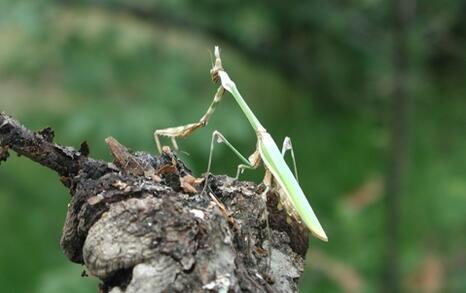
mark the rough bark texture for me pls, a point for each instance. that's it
(142, 224)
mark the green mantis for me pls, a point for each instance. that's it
(278, 176)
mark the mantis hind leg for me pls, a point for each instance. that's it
(287, 146)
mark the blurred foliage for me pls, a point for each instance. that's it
(317, 71)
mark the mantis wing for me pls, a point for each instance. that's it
(275, 163)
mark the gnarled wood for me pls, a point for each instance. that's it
(137, 225)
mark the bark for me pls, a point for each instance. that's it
(142, 224)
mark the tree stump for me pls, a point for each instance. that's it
(144, 224)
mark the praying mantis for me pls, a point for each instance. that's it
(278, 176)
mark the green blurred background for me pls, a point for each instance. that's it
(372, 93)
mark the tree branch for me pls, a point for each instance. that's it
(140, 225)
(39, 147)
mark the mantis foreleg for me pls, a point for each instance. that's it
(188, 129)
(288, 146)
